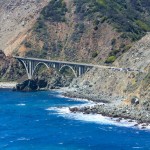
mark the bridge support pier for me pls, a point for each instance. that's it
(29, 66)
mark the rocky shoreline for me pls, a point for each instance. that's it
(114, 109)
(115, 112)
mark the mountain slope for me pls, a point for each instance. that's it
(112, 83)
(138, 57)
(94, 31)
(17, 17)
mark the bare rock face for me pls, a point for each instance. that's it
(138, 57)
(9, 68)
(17, 17)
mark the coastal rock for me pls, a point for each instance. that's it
(132, 113)
(74, 109)
(31, 85)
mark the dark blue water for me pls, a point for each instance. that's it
(29, 121)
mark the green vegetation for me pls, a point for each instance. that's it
(110, 59)
(95, 54)
(101, 2)
(67, 71)
(147, 80)
(55, 11)
(79, 30)
(113, 42)
(129, 17)
(143, 25)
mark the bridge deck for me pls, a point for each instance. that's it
(63, 62)
(75, 63)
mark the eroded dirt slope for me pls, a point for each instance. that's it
(16, 18)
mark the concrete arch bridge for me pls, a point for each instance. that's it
(31, 64)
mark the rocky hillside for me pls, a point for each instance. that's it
(10, 70)
(17, 17)
(94, 31)
(111, 83)
(138, 57)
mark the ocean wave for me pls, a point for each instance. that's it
(23, 139)
(21, 104)
(72, 99)
(137, 147)
(96, 118)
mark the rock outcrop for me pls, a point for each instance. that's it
(47, 79)
(31, 85)
(10, 70)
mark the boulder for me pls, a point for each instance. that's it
(31, 85)
(2, 55)
(135, 101)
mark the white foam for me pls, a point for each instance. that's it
(60, 110)
(23, 139)
(21, 104)
(61, 143)
(97, 118)
(73, 99)
(137, 147)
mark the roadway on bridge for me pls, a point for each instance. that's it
(75, 63)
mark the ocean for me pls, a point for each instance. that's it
(42, 121)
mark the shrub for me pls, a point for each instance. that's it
(95, 54)
(110, 59)
(101, 2)
(127, 17)
(96, 22)
(27, 44)
(55, 11)
(113, 42)
(79, 30)
(143, 25)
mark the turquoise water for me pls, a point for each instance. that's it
(42, 121)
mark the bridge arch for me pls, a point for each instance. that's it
(38, 64)
(64, 66)
(26, 67)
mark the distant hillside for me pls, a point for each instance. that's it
(94, 31)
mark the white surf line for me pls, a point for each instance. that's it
(7, 84)
(21, 104)
(97, 118)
